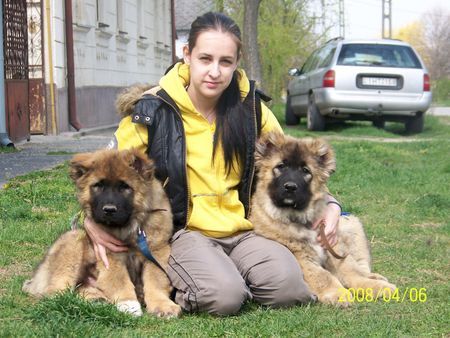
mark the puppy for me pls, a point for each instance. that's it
(290, 195)
(118, 190)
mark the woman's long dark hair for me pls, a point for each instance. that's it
(230, 114)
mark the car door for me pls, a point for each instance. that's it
(324, 58)
(299, 86)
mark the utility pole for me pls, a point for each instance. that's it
(386, 18)
(342, 19)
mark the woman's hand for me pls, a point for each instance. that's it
(102, 240)
(331, 220)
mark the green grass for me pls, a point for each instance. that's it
(442, 103)
(399, 189)
(56, 153)
(435, 127)
(8, 149)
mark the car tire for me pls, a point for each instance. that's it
(315, 121)
(414, 125)
(379, 123)
(289, 117)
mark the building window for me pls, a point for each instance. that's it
(141, 13)
(102, 14)
(121, 17)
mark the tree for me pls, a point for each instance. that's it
(287, 32)
(250, 41)
(437, 40)
(219, 5)
(431, 38)
(414, 34)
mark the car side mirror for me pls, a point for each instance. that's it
(294, 72)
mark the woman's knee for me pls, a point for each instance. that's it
(290, 289)
(282, 285)
(224, 298)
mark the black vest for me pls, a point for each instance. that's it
(167, 147)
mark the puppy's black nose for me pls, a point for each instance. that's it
(109, 209)
(290, 186)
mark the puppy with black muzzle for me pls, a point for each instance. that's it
(119, 191)
(290, 195)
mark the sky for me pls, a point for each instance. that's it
(363, 18)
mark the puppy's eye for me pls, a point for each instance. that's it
(99, 185)
(280, 165)
(306, 170)
(123, 186)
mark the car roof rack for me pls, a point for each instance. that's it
(394, 39)
(337, 38)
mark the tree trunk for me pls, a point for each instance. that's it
(250, 48)
(220, 6)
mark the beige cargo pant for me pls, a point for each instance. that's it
(217, 275)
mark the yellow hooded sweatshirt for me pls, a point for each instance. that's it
(214, 205)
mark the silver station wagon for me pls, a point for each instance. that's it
(374, 80)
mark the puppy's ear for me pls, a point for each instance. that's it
(141, 163)
(79, 165)
(267, 143)
(325, 156)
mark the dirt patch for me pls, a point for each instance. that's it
(13, 270)
(427, 225)
(377, 139)
(3, 272)
(439, 276)
(39, 209)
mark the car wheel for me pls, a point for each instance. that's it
(378, 123)
(315, 121)
(290, 118)
(414, 124)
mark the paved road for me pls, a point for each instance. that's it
(45, 152)
(439, 111)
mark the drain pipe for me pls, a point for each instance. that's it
(4, 139)
(174, 30)
(50, 67)
(73, 118)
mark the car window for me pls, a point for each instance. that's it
(326, 56)
(378, 55)
(309, 63)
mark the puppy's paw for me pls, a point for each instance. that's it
(26, 287)
(383, 289)
(340, 298)
(374, 275)
(164, 309)
(130, 306)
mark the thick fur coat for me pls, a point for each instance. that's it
(290, 195)
(118, 190)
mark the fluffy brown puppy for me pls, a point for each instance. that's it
(118, 190)
(290, 195)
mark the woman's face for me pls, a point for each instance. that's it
(212, 62)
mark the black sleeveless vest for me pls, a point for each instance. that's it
(167, 147)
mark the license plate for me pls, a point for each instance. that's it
(379, 81)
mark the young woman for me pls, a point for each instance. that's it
(200, 126)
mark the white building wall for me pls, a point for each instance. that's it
(116, 43)
(122, 53)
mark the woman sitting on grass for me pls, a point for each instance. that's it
(200, 126)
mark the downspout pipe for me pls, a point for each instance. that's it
(4, 138)
(50, 67)
(73, 118)
(174, 30)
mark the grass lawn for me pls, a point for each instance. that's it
(399, 186)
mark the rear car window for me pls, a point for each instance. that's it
(378, 55)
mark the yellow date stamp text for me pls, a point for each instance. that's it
(386, 295)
